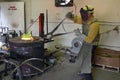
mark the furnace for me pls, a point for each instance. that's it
(22, 50)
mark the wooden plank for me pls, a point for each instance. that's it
(115, 62)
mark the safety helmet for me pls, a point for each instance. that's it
(88, 9)
(84, 12)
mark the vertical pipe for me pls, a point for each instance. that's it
(41, 25)
(0, 16)
(46, 21)
(25, 26)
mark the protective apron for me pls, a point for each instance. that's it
(86, 51)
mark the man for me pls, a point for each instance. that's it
(90, 28)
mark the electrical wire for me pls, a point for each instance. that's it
(63, 27)
(32, 23)
(75, 7)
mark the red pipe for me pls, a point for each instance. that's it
(41, 25)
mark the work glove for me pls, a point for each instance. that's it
(69, 15)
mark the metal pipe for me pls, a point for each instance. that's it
(41, 25)
(46, 21)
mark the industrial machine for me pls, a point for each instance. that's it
(23, 56)
(76, 46)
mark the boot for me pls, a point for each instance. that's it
(86, 76)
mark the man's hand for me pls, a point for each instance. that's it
(69, 15)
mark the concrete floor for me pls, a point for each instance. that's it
(100, 74)
(68, 71)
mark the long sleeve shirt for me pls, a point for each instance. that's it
(93, 30)
(92, 33)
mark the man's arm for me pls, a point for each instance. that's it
(74, 18)
(77, 19)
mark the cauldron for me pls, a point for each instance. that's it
(22, 50)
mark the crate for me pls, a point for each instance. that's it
(107, 59)
(115, 62)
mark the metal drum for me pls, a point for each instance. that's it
(22, 50)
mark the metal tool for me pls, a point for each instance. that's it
(51, 33)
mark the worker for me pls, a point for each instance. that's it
(90, 28)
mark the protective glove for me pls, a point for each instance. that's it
(69, 15)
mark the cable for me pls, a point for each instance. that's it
(32, 23)
(64, 28)
(75, 8)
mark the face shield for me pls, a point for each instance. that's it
(84, 15)
(85, 11)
